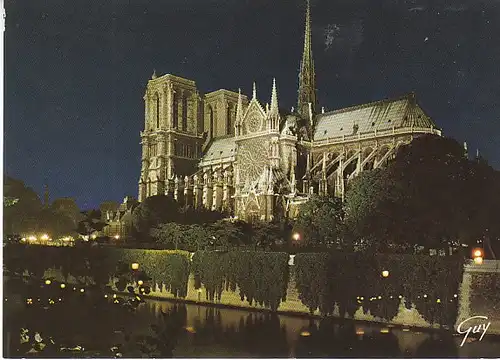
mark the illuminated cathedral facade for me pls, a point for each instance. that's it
(228, 152)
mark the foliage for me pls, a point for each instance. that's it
(189, 215)
(266, 234)
(350, 280)
(155, 210)
(430, 195)
(9, 201)
(94, 266)
(320, 222)
(22, 217)
(169, 234)
(91, 223)
(260, 276)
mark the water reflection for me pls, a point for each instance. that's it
(222, 332)
(199, 331)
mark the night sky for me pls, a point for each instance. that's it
(76, 71)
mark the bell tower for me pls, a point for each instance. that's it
(173, 133)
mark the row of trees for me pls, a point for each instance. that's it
(430, 195)
(25, 213)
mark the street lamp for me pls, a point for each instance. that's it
(296, 236)
(385, 273)
(134, 266)
(117, 236)
(478, 255)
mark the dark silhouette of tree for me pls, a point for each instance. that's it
(91, 223)
(320, 222)
(429, 195)
(155, 210)
(22, 217)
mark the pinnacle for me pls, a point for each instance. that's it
(274, 98)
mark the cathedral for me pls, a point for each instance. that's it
(228, 152)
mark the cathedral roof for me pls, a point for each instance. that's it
(220, 148)
(376, 116)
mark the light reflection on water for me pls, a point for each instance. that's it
(202, 331)
(223, 332)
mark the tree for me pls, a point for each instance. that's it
(320, 221)
(169, 234)
(369, 199)
(266, 234)
(22, 217)
(196, 237)
(225, 233)
(91, 223)
(201, 215)
(430, 195)
(155, 210)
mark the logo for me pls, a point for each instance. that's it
(465, 328)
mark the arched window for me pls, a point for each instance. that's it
(228, 120)
(175, 112)
(211, 122)
(157, 111)
(184, 113)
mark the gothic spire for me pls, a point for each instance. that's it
(274, 99)
(307, 90)
(254, 92)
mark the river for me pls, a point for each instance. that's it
(203, 331)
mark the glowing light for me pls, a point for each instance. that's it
(48, 282)
(60, 299)
(305, 333)
(384, 331)
(82, 290)
(406, 329)
(425, 296)
(74, 288)
(114, 296)
(478, 260)
(44, 237)
(190, 329)
(379, 297)
(32, 238)
(385, 273)
(29, 301)
(438, 301)
(477, 252)
(94, 236)
(117, 236)
(140, 282)
(400, 296)
(360, 332)
(134, 266)
(296, 236)
(455, 295)
(362, 298)
(63, 286)
(106, 295)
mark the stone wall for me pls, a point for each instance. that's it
(479, 295)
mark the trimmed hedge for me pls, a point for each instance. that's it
(260, 276)
(354, 279)
(96, 265)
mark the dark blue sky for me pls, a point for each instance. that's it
(75, 72)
